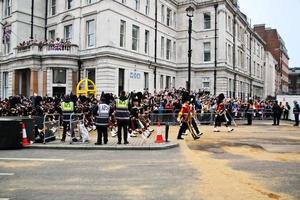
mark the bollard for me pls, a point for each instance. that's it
(167, 132)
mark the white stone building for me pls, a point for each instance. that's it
(113, 43)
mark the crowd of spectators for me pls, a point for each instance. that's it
(165, 101)
(57, 44)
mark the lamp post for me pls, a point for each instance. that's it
(190, 14)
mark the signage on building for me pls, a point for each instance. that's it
(135, 75)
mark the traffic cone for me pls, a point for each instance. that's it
(25, 142)
(159, 137)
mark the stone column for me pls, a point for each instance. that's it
(44, 93)
(33, 81)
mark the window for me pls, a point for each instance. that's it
(229, 54)
(91, 1)
(207, 55)
(90, 33)
(168, 82)
(229, 87)
(7, 8)
(5, 85)
(169, 17)
(91, 74)
(70, 4)
(162, 47)
(168, 52)
(51, 35)
(137, 4)
(122, 33)
(146, 80)
(121, 80)
(135, 38)
(147, 9)
(162, 13)
(161, 82)
(173, 82)
(52, 7)
(68, 32)
(174, 19)
(242, 60)
(59, 76)
(205, 83)
(146, 41)
(207, 21)
(174, 50)
(6, 39)
(229, 24)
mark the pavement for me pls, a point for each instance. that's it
(135, 143)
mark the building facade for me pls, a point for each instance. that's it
(294, 80)
(270, 75)
(117, 45)
(275, 44)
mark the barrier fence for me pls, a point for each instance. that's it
(75, 120)
(208, 117)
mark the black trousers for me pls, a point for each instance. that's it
(102, 132)
(122, 124)
(249, 118)
(195, 126)
(286, 115)
(183, 128)
(276, 119)
(296, 119)
(66, 127)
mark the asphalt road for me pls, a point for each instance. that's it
(96, 175)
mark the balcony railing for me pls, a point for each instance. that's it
(46, 49)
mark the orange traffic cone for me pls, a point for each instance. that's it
(25, 142)
(159, 137)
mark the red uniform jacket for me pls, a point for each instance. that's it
(184, 112)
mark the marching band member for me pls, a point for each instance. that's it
(220, 116)
(183, 115)
(194, 116)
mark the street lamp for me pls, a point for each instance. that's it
(190, 14)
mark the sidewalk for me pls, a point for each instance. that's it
(135, 143)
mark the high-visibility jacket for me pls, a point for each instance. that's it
(67, 109)
(122, 110)
(102, 116)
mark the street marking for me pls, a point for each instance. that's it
(33, 159)
(6, 174)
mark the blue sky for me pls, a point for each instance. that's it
(284, 15)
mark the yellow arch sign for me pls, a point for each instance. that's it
(86, 87)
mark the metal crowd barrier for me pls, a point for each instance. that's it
(208, 117)
(51, 124)
(75, 120)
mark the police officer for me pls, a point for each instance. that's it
(67, 107)
(122, 116)
(296, 111)
(249, 112)
(102, 112)
(277, 111)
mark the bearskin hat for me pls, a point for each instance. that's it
(185, 97)
(221, 97)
